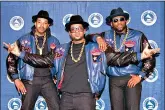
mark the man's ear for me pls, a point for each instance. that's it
(35, 24)
(69, 33)
(85, 30)
(111, 24)
(126, 21)
(48, 25)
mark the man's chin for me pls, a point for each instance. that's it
(119, 30)
(77, 39)
(41, 31)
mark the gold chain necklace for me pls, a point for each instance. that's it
(43, 43)
(118, 50)
(71, 52)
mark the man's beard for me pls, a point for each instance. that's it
(120, 30)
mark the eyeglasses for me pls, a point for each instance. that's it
(75, 29)
(118, 19)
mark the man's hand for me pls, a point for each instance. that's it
(13, 48)
(133, 81)
(102, 44)
(20, 86)
(147, 53)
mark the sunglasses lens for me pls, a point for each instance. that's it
(118, 19)
(122, 19)
(75, 29)
(115, 20)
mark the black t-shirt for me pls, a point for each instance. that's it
(75, 74)
(42, 71)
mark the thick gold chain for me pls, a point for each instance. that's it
(71, 52)
(37, 44)
(118, 50)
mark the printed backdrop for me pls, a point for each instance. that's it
(16, 20)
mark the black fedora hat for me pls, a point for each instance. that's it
(42, 14)
(76, 19)
(116, 12)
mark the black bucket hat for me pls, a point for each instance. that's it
(42, 14)
(76, 19)
(116, 12)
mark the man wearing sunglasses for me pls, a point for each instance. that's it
(125, 82)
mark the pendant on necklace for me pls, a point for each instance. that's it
(40, 51)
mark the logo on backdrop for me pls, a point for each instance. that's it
(150, 103)
(148, 18)
(66, 18)
(153, 77)
(9, 79)
(153, 44)
(100, 104)
(41, 104)
(14, 104)
(129, 19)
(16, 23)
(95, 20)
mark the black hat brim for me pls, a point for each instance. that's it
(50, 21)
(67, 25)
(126, 15)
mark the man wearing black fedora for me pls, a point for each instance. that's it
(80, 66)
(125, 82)
(29, 81)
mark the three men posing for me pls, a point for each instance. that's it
(81, 67)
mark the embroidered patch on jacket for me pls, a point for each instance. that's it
(59, 53)
(145, 43)
(9, 59)
(25, 42)
(147, 65)
(26, 49)
(11, 69)
(96, 55)
(129, 45)
(110, 42)
(52, 45)
(24, 46)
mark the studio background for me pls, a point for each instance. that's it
(148, 17)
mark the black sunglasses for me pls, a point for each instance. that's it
(118, 19)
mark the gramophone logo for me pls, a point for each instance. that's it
(129, 19)
(9, 79)
(66, 18)
(148, 18)
(150, 103)
(41, 104)
(16, 23)
(14, 104)
(153, 77)
(95, 20)
(153, 44)
(100, 104)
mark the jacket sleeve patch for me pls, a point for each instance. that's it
(129, 45)
(25, 46)
(96, 55)
(59, 53)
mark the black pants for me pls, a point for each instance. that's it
(121, 96)
(43, 86)
(79, 101)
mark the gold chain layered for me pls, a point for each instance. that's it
(118, 50)
(43, 43)
(71, 52)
